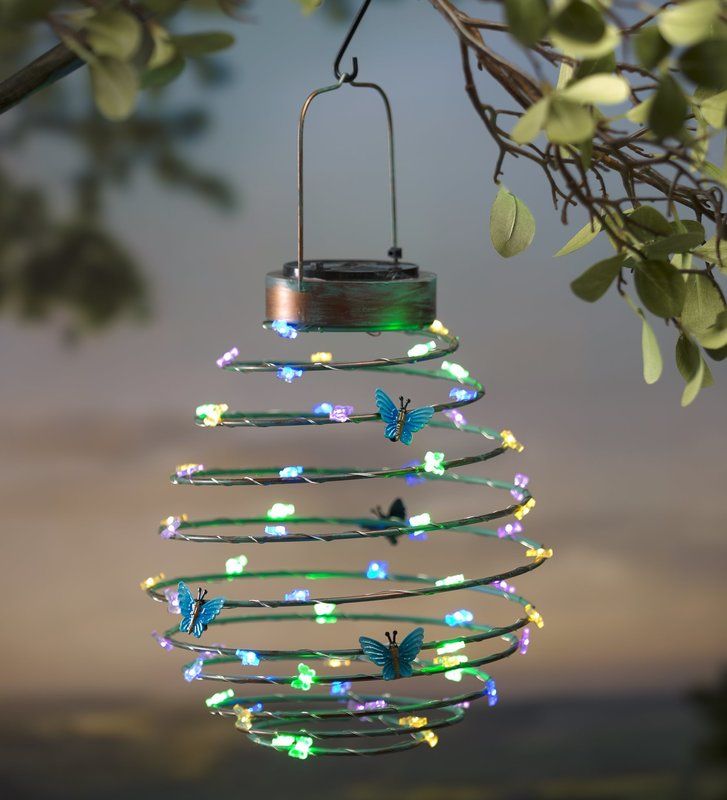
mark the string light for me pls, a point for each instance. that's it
(419, 519)
(377, 570)
(217, 699)
(369, 705)
(534, 616)
(297, 596)
(524, 642)
(461, 617)
(421, 349)
(283, 740)
(503, 586)
(281, 511)
(454, 675)
(150, 582)
(187, 470)
(321, 358)
(491, 692)
(341, 413)
(162, 641)
(520, 481)
(509, 440)
(339, 688)
(412, 722)
(324, 613)
(451, 660)
(438, 327)
(539, 552)
(456, 416)
(236, 565)
(192, 672)
(322, 409)
(457, 371)
(450, 647)
(290, 472)
(509, 530)
(227, 357)
(248, 658)
(433, 462)
(211, 413)
(413, 479)
(244, 717)
(429, 737)
(276, 530)
(524, 510)
(283, 329)
(171, 525)
(172, 596)
(289, 374)
(450, 580)
(462, 394)
(306, 678)
(339, 662)
(301, 747)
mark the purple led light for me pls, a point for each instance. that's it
(504, 586)
(456, 416)
(228, 357)
(162, 641)
(172, 596)
(521, 481)
(509, 530)
(192, 672)
(341, 413)
(524, 641)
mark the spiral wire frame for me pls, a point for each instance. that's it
(347, 722)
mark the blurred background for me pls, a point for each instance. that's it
(144, 246)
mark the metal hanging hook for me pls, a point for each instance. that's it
(347, 77)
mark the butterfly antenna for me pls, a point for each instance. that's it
(388, 637)
(394, 640)
(378, 512)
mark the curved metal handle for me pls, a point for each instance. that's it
(394, 251)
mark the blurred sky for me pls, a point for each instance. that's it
(628, 483)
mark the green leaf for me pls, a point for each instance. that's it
(531, 123)
(512, 226)
(195, 45)
(568, 123)
(115, 85)
(702, 303)
(668, 109)
(660, 287)
(164, 50)
(676, 243)
(527, 19)
(639, 114)
(15, 11)
(706, 64)
(714, 108)
(687, 23)
(114, 33)
(708, 252)
(601, 88)
(581, 22)
(161, 76)
(651, 355)
(651, 47)
(594, 282)
(594, 66)
(715, 337)
(584, 237)
(646, 224)
(579, 49)
(695, 382)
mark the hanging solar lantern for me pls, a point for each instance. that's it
(354, 698)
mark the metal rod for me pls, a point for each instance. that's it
(353, 74)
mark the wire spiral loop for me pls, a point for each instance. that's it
(341, 717)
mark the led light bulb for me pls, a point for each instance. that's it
(460, 395)
(524, 643)
(377, 570)
(341, 413)
(321, 358)
(228, 357)
(438, 327)
(172, 596)
(421, 349)
(289, 374)
(306, 678)
(284, 329)
(456, 416)
(524, 510)
(243, 721)
(236, 565)
(450, 647)
(171, 525)
(219, 697)
(162, 641)
(534, 616)
(434, 463)
(192, 672)
(461, 617)
(340, 688)
(290, 472)
(297, 596)
(211, 413)
(509, 530)
(539, 552)
(412, 722)
(323, 409)
(450, 580)
(301, 747)
(509, 440)
(151, 582)
(281, 511)
(248, 658)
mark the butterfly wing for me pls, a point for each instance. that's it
(415, 421)
(409, 650)
(388, 411)
(376, 652)
(186, 605)
(210, 609)
(398, 509)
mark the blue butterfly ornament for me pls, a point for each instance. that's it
(396, 659)
(197, 613)
(401, 424)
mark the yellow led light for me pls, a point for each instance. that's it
(339, 662)
(321, 358)
(450, 660)
(412, 722)
(539, 552)
(149, 582)
(430, 737)
(244, 717)
(534, 616)
(524, 510)
(211, 413)
(509, 440)
(438, 327)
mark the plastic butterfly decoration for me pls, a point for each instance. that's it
(401, 424)
(397, 513)
(396, 659)
(197, 613)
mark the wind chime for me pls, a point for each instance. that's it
(333, 702)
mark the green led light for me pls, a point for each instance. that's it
(306, 678)
(219, 697)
